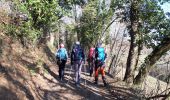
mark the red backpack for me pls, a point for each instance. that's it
(91, 53)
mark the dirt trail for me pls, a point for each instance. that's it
(54, 89)
(50, 88)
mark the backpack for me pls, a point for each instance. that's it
(61, 54)
(78, 53)
(91, 53)
(100, 54)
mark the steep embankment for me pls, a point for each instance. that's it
(16, 64)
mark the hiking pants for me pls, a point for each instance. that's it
(61, 69)
(77, 67)
(101, 70)
(99, 67)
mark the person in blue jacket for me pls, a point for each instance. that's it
(61, 56)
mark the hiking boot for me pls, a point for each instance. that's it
(96, 83)
(61, 79)
(105, 84)
(90, 75)
(77, 85)
(104, 81)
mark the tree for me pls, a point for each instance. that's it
(42, 18)
(96, 21)
(151, 59)
(160, 46)
(134, 32)
(151, 26)
(44, 14)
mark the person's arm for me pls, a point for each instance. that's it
(83, 55)
(105, 55)
(72, 57)
(66, 54)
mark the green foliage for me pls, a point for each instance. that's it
(43, 12)
(23, 31)
(34, 18)
(95, 16)
(70, 36)
(20, 27)
(154, 24)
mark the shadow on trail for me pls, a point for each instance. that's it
(82, 91)
(7, 94)
(50, 71)
(121, 93)
(16, 83)
(115, 92)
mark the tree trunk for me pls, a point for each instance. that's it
(151, 59)
(138, 54)
(132, 57)
(111, 64)
(139, 48)
(45, 36)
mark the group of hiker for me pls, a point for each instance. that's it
(96, 61)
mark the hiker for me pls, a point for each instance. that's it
(77, 59)
(100, 57)
(61, 56)
(91, 59)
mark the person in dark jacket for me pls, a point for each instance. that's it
(77, 59)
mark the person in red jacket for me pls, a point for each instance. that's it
(91, 59)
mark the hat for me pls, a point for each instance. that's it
(77, 43)
(61, 45)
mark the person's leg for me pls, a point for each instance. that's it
(76, 71)
(103, 75)
(96, 74)
(79, 71)
(62, 68)
(91, 67)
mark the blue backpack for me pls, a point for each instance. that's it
(100, 54)
(78, 53)
(61, 54)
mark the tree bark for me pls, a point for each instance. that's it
(111, 63)
(132, 56)
(151, 59)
